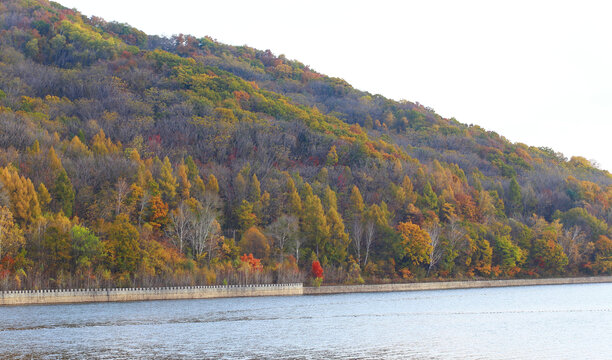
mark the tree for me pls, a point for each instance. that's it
(430, 198)
(254, 189)
(415, 243)
(573, 242)
(515, 198)
(184, 183)
(329, 201)
(156, 211)
(283, 230)
(255, 242)
(357, 237)
(64, 192)
(121, 192)
(11, 237)
(436, 250)
(314, 223)
(293, 198)
(246, 216)
(204, 227)
(22, 196)
(86, 248)
(57, 249)
(124, 248)
(167, 182)
(179, 225)
(317, 272)
(212, 185)
(509, 254)
(370, 231)
(332, 157)
(338, 238)
(356, 205)
(44, 197)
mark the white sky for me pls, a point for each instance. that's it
(537, 72)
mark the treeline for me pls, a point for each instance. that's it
(132, 160)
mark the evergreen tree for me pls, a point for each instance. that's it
(515, 199)
(167, 182)
(63, 193)
(332, 157)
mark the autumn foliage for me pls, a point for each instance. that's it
(316, 270)
(136, 160)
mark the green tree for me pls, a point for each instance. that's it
(86, 248)
(337, 245)
(314, 223)
(64, 192)
(246, 216)
(56, 244)
(515, 198)
(429, 197)
(167, 182)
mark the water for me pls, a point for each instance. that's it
(543, 322)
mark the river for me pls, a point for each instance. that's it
(534, 322)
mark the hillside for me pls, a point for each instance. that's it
(131, 160)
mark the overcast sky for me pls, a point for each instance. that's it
(537, 72)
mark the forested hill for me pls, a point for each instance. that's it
(134, 160)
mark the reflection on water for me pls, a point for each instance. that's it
(544, 322)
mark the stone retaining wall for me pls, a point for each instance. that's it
(63, 296)
(60, 296)
(452, 285)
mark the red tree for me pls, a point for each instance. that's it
(316, 270)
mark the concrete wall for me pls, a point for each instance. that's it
(452, 285)
(28, 297)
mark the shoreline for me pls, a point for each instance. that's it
(450, 285)
(76, 296)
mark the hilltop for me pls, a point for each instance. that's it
(129, 159)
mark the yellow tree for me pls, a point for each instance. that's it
(294, 201)
(22, 196)
(184, 183)
(167, 182)
(332, 157)
(415, 244)
(11, 237)
(212, 185)
(255, 242)
(314, 222)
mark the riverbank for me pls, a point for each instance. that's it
(63, 296)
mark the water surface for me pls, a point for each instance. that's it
(543, 322)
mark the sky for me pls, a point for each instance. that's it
(536, 72)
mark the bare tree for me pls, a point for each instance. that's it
(435, 254)
(357, 235)
(204, 226)
(572, 241)
(179, 229)
(297, 244)
(122, 188)
(455, 234)
(142, 205)
(283, 230)
(370, 231)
